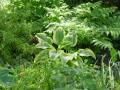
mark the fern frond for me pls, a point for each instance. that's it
(102, 43)
(113, 27)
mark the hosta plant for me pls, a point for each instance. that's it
(61, 44)
(96, 26)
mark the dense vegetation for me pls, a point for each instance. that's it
(59, 45)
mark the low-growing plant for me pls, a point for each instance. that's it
(45, 45)
(93, 24)
(60, 45)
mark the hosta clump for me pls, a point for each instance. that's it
(64, 41)
(94, 24)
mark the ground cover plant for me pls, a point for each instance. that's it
(59, 45)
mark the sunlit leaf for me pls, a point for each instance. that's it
(58, 36)
(86, 53)
(55, 54)
(70, 40)
(68, 56)
(44, 37)
(44, 41)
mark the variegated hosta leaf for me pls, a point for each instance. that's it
(44, 37)
(58, 36)
(44, 41)
(43, 45)
(70, 40)
(55, 54)
(68, 56)
(86, 52)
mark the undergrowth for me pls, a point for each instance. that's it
(48, 45)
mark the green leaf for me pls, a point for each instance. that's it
(58, 36)
(45, 42)
(68, 56)
(113, 54)
(6, 79)
(44, 37)
(43, 45)
(55, 54)
(70, 40)
(86, 52)
(119, 54)
(73, 63)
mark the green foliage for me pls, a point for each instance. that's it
(52, 74)
(49, 46)
(63, 42)
(86, 52)
(92, 23)
(58, 36)
(7, 78)
(70, 39)
(19, 21)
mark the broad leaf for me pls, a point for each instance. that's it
(67, 56)
(70, 40)
(55, 54)
(6, 79)
(44, 41)
(58, 36)
(44, 37)
(86, 52)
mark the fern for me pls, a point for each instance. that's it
(92, 22)
(114, 28)
(102, 43)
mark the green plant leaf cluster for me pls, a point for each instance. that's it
(49, 45)
(63, 41)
